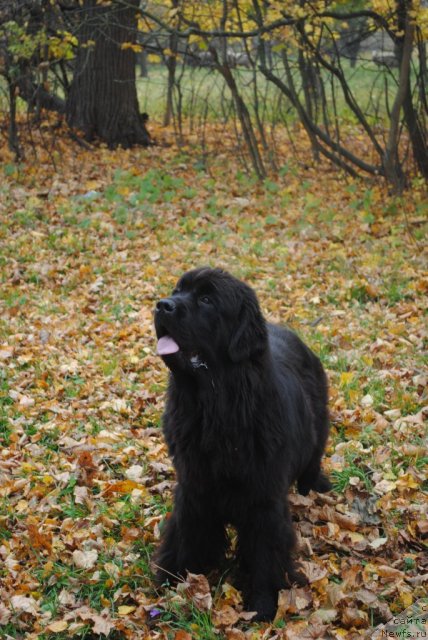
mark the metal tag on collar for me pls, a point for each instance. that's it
(197, 364)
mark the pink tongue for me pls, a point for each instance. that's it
(167, 345)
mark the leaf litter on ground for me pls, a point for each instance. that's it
(85, 479)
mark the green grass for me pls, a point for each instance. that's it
(190, 619)
(205, 93)
(354, 469)
(5, 430)
(5, 402)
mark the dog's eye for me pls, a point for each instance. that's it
(205, 299)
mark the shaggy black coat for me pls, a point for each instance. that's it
(246, 416)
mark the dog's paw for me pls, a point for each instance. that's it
(264, 616)
(296, 578)
(322, 483)
(163, 576)
(264, 604)
(303, 488)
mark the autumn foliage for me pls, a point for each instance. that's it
(90, 239)
(353, 74)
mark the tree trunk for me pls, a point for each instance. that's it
(416, 133)
(171, 65)
(309, 87)
(13, 129)
(143, 62)
(391, 161)
(245, 121)
(102, 102)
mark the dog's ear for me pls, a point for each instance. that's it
(249, 335)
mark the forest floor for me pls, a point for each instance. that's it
(89, 241)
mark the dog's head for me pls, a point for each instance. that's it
(210, 318)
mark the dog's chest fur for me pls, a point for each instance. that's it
(207, 436)
(214, 443)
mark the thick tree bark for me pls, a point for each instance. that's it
(102, 102)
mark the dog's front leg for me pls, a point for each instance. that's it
(166, 558)
(194, 538)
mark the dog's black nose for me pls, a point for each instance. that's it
(167, 305)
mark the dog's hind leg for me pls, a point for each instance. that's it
(313, 477)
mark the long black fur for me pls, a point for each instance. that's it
(246, 416)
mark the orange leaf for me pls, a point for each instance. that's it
(39, 540)
(122, 486)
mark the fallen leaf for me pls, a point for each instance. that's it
(389, 573)
(293, 601)
(57, 627)
(367, 401)
(182, 635)
(85, 559)
(353, 617)
(313, 571)
(5, 614)
(225, 617)
(122, 486)
(378, 542)
(197, 589)
(5, 353)
(235, 634)
(102, 625)
(80, 494)
(385, 486)
(26, 401)
(125, 610)
(24, 604)
(135, 473)
(324, 616)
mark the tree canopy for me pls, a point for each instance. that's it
(310, 53)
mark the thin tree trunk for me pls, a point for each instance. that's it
(413, 121)
(330, 148)
(308, 93)
(245, 121)
(171, 65)
(391, 161)
(143, 62)
(13, 129)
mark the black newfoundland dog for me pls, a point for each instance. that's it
(246, 416)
